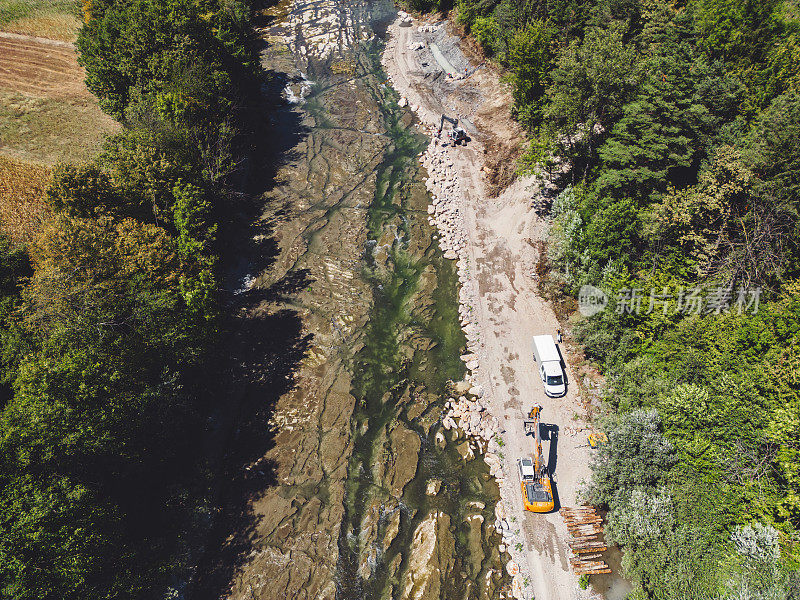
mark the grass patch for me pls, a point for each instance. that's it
(54, 19)
(23, 210)
(49, 130)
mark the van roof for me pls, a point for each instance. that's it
(546, 348)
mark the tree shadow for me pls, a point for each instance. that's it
(288, 285)
(549, 431)
(246, 242)
(270, 349)
(260, 350)
(260, 18)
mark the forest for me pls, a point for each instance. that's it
(673, 131)
(108, 319)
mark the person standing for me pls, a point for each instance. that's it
(558, 336)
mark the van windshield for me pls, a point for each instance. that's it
(554, 380)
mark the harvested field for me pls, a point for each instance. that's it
(46, 113)
(55, 27)
(22, 206)
(41, 67)
(48, 130)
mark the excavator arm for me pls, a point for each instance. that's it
(538, 456)
(537, 492)
(453, 122)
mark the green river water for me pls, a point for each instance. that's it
(413, 342)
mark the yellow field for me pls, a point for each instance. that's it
(47, 115)
(52, 26)
(22, 191)
(53, 19)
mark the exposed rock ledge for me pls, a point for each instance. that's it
(430, 558)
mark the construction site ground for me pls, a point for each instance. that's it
(502, 246)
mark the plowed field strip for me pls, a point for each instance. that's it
(33, 66)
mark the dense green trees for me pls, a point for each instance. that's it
(636, 455)
(107, 320)
(593, 79)
(183, 56)
(530, 58)
(679, 123)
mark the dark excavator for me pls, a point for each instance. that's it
(457, 134)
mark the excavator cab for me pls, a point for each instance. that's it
(537, 490)
(537, 493)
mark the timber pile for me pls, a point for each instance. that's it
(585, 527)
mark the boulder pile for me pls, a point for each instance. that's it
(468, 412)
(445, 189)
(471, 417)
(405, 19)
(446, 213)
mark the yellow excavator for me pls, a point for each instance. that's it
(537, 491)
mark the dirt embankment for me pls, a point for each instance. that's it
(495, 240)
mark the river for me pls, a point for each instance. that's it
(351, 495)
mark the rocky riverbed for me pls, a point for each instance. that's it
(346, 481)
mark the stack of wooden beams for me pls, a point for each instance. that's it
(585, 527)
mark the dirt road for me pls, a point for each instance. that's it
(506, 307)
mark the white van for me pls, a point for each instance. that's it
(545, 353)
